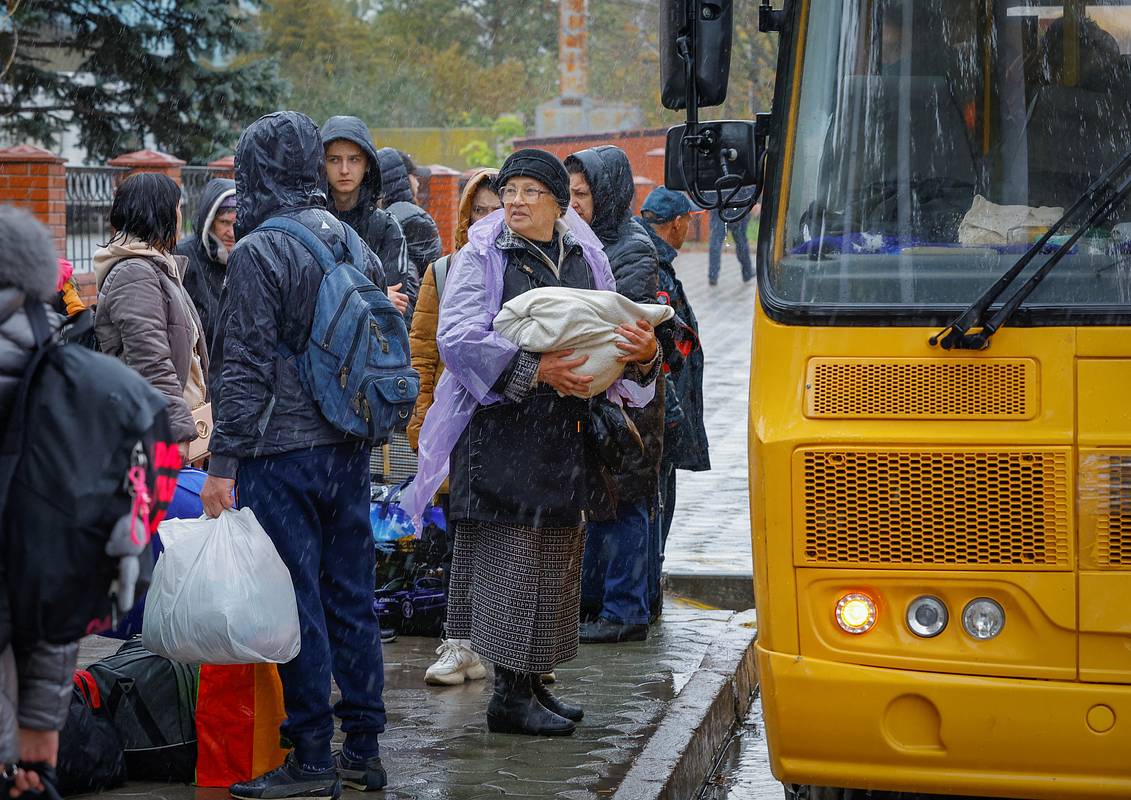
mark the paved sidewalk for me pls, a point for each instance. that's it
(437, 747)
(711, 528)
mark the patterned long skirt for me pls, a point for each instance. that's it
(515, 593)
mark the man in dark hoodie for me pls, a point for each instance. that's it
(355, 180)
(622, 543)
(398, 197)
(208, 248)
(306, 481)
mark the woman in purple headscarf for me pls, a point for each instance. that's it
(513, 425)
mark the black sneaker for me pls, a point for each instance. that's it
(368, 775)
(290, 782)
(604, 631)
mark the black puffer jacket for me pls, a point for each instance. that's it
(378, 227)
(420, 231)
(259, 405)
(204, 277)
(636, 269)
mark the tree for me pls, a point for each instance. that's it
(505, 130)
(121, 71)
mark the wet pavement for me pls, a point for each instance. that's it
(711, 529)
(437, 747)
(743, 768)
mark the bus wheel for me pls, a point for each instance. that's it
(795, 791)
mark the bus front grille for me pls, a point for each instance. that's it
(921, 388)
(958, 508)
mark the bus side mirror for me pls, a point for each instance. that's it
(720, 165)
(695, 37)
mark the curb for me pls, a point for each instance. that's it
(721, 590)
(681, 751)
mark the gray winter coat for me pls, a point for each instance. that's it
(259, 405)
(147, 319)
(35, 677)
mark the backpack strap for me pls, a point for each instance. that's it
(440, 272)
(14, 433)
(124, 690)
(318, 248)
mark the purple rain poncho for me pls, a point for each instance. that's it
(475, 356)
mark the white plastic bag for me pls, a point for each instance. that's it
(220, 594)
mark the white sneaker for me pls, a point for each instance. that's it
(456, 663)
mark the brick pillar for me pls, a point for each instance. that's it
(150, 161)
(223, 167)
(443, 203)
(34, 179)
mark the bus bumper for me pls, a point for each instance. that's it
(835, 724)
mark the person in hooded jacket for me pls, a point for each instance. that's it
(354, 175)
(35, 677)
(666, 215)
(621, 549)
(306, 481)
(398, 197)
(145, 317)
(207, 250)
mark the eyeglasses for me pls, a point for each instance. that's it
(508, 194)
(482, 211)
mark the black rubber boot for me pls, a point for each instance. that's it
(514, 708)
(551, 703)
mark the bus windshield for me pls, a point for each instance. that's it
(935, 140)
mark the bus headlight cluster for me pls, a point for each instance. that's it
(927, 616)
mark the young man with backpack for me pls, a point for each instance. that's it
(294, 434)
(65, 524)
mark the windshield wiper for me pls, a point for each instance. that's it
(957, 334)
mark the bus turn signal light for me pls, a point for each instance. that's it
(856, 613)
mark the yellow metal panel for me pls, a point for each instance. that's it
(1105, 627)
(1103, 415)
(1038, 640)
(943, 507)
(921, 388)
(833, 724)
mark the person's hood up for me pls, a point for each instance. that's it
(216, 191)
(280, 165)
(421, 236)
(28, 261)
(352, 129)
(609, 175)
(119, 249)
(395, 187)
(479, 179)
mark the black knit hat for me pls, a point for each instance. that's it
(546, 168)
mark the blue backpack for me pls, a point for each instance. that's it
(356, 364)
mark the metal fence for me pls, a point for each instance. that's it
(90, 192)
(193, 181)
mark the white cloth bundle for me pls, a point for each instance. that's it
(583, 320)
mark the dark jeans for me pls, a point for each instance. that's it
(314, 504)
(617, 571)
(719, 231)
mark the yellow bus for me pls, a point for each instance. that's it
(940, 397)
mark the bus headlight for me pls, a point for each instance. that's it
(983, 618)
(927, 616)
(856, 613)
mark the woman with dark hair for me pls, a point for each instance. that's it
(145, 316)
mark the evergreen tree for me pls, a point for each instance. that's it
(178, 71)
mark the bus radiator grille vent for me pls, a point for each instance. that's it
(958, 508)
(1105, 500)
(962, 388)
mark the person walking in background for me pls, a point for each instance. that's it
(207, 250)
(622, 545)
(306, 481)
(399, 185)
(512, 424)
(719, 231)
(666, 216)
(457, 662)
(354, 176)
(145, 317)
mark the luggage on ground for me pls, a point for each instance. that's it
(239, 709)
(151, 702)
(91, 758)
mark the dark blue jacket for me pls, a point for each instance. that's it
(685, 437)
(204, 276)
(259, 405)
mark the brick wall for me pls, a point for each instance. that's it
(224, 167)
(34, 179)
(442, 202)
(150, 161)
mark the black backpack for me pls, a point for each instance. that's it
(152, 703)
(90, 750)
(80, 421)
